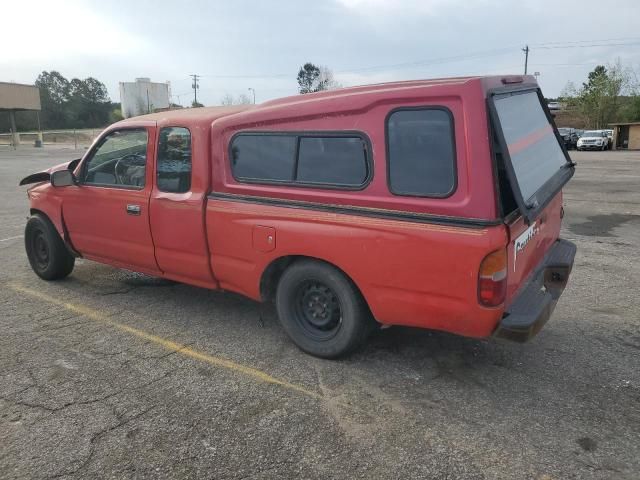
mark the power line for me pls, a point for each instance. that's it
(276, 75)
(434, 61)
(565, 64)
(590, 45)
(455, 58)
(586, 41)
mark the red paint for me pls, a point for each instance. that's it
(410, 273)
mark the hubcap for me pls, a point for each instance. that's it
(318, 309)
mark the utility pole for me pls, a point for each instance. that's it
(526, 58)
(195, 87)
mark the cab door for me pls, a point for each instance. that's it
(107, 213)
(177, 204)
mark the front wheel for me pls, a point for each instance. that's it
(46, 251)
(321, 310)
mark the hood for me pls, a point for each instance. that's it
(592, 138)
(45, 175)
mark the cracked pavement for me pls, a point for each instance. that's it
(80, 398)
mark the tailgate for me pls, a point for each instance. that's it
(537, 167)
(529, 244)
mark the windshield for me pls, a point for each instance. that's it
(534, 150)
(592, 133)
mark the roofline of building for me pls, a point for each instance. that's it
(19, 84)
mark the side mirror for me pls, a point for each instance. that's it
(62, 178)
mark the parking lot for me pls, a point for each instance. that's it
(116, 375)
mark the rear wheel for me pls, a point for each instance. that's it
(46, 251)
(321, 310)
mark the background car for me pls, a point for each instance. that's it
(610, 136)
(569, 136)
(593, 140)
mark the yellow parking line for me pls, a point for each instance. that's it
(250, 372)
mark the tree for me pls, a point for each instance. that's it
(54, 93)
(243, 100)
(115, 115)
(229, 99)
(599, 98)
(226, 100)
(76, 103)
(312, 78)
(307, 78)
(54, 85)
(631, 111)
(195, 104)
(326, 80)
(88, 103)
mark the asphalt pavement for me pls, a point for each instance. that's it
(112, 374)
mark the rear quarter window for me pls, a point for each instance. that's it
(322, 159)
(263, 157)
(420, 152)
(332, 160)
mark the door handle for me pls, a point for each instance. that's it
(133, 209)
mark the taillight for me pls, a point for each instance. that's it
(492, 279)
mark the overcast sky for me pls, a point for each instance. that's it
(252, 44)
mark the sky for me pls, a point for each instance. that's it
(243, 44)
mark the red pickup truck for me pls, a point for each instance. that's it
(432, 203)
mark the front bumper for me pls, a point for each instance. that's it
(590, 146)
(535, 302)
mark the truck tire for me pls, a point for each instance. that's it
(47, 253)
(322, 310)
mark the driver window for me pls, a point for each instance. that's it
(119, 160)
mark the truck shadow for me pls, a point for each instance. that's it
(413, 352)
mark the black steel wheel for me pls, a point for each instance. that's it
(318, 309)
(322, 310)
(40, 249)
(48, 255)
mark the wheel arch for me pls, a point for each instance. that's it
(44, 203)
(58, 223)
(274, 270)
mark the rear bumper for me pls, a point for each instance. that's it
(536, 300)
